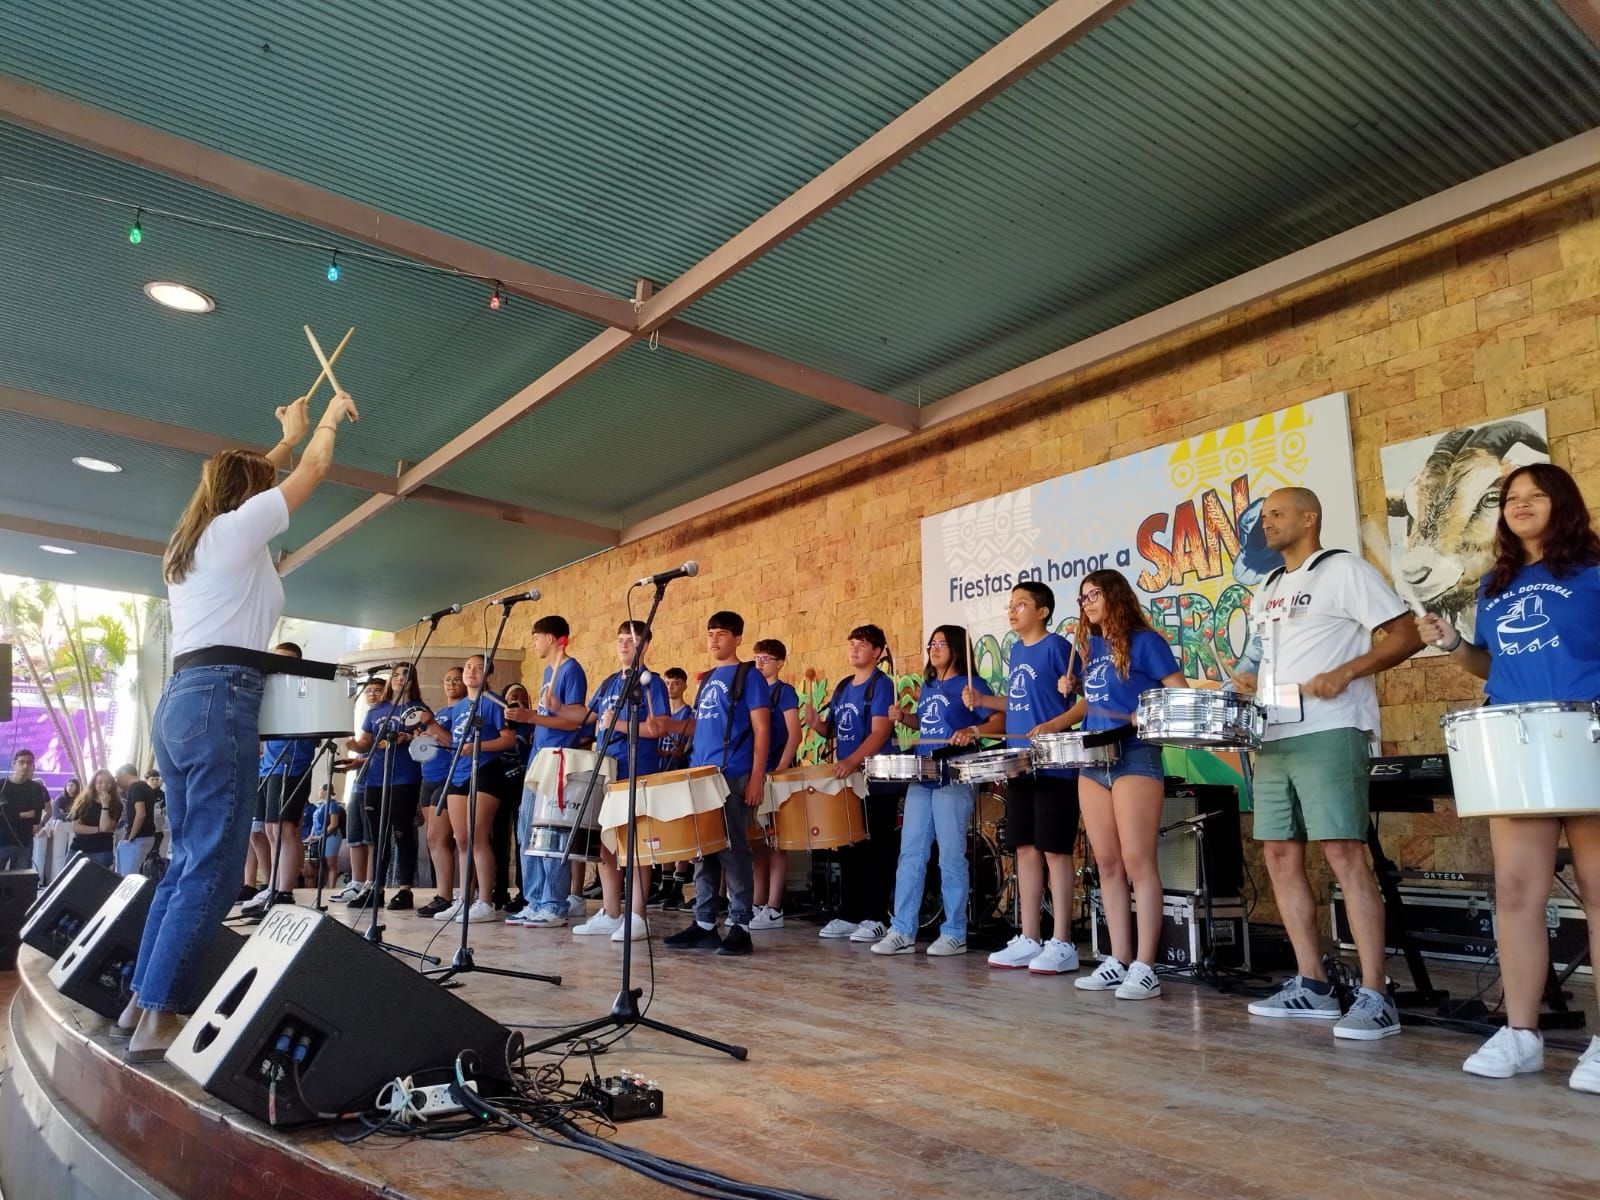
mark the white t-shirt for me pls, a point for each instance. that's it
(232, 596)
(1315, 619)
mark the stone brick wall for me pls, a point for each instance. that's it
(1487, 319)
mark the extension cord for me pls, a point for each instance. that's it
(436, 1100)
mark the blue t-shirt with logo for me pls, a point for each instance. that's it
(287, 756)
(615, 741)
(1543, 637)
(672, 745)
(711, 719)
(405, 769)
(570, 686)
(1112, 697)
(940, 711)
(1032, 697)
(492, 719)
(783, 698)
(854, 707)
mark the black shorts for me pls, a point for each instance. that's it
(1042, 811)
(285, 798)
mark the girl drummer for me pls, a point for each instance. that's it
(1121, 801)
(1536, 638)
(939, 813)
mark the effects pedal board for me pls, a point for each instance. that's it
(625, 1097)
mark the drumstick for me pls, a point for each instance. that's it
(332, 358)
(327, 367)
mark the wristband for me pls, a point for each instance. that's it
(1455, 645)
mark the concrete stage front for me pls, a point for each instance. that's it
(867, 1076)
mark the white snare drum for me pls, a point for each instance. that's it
(300, 706)
(901, 768)
(1200, 719)
(560, 811)
(1066, 749)
(992, 766)
(1525, 760)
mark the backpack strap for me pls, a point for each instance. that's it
(741, 672)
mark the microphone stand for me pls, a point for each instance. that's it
(625, 1013)
(463, 963)
(331, 749)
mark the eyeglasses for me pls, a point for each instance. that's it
(938, 645)
(1020, 606)
(761, 659)
(1092, 596)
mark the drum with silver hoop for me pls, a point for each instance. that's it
(679, 816)
(560, 806)
(1067, 749)
(992, 766)
(1525, 760)
(901, 768)
(1200, 719)
(814, 811)
(295, 706)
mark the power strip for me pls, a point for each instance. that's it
(437, 1100)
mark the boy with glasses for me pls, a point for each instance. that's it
(783, 708)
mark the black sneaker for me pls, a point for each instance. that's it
(693, 937)
(671, 897)
(434, 907)
(400, 901)
(737, 942)
(362, 897)
(248, 892)
(516, 904)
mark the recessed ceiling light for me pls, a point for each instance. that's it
(50, 549)
(96, 464)
(179, 296)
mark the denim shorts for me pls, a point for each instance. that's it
(1139, 759)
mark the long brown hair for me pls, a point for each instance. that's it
(91, 795)
(413, 689)
(1124, 617)
(229, 478)
(1569, 543)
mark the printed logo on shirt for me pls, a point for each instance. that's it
(1017, 690)
(846, 720)
(712, 699)
(933, 720)
(1280, 607)
(1524, 628)
(1094, 679)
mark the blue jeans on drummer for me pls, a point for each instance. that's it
(545, 880)
(933, 815)
(1138, 758)
(205, 734)
(735, 862)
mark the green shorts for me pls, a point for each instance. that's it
(1312, 787)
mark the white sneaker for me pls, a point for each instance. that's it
(1509, 1052)
(1140, 984)
(599, 924)
(258, 903)
(480, 912)
(633, 929)
(539, 918)
(894, 942)
(944, 945)
(345, 892)
(1055, 957)
(765, 917)
(868, 931)
(1018, 953)
(576, 906)
(1109, 974)
(449, 914)
(1585, 1076)
(837, 929)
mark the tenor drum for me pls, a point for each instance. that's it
(679, 816)
(1200, 719)
(1066, 749)
(992, 766)
(560, 811)
(295, 706)
(815, 811)
(901, 768)
(1525, 760)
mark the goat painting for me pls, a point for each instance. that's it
(1443, 502)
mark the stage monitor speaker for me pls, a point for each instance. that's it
(17, 890)
(313, 1014)
(96, 970)
(64, 908)
(1178, 854)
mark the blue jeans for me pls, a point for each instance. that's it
(131, 854)
(544, 879)
(942, 815)
(16, 858)
(205, 734)
(736, 863)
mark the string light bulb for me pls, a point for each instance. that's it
(136, 233)
(333, 268)
(497, 298)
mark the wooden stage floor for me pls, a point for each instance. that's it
(920, 1077)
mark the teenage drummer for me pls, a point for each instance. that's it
(859, 722)
(1042, 807)
(771, 865)
(939, 812)
(1121, 801)
(1536, 639)
(1317, 616)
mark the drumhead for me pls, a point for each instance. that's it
(1488, 711)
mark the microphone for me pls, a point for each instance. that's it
(688, 571)
(530, 594)
(442, 613)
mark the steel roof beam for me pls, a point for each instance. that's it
(1585, 14)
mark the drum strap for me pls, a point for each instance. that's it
(735, 693)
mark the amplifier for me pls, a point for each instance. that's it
(1178, 853)
(1183, 931)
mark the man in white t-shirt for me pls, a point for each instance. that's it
(1316, 618)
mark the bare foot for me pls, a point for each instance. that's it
(130, 1015)
(154, 1035)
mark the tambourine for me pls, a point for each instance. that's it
(415, 717)
(423, 749)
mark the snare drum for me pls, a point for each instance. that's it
(992, 766)
(815, 811)
(1200, 719)
(1066, 749)
(1525, 760)
(901, 768)
(679, 816)
(299, 706)
(554, 818)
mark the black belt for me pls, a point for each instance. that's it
(260, 660)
